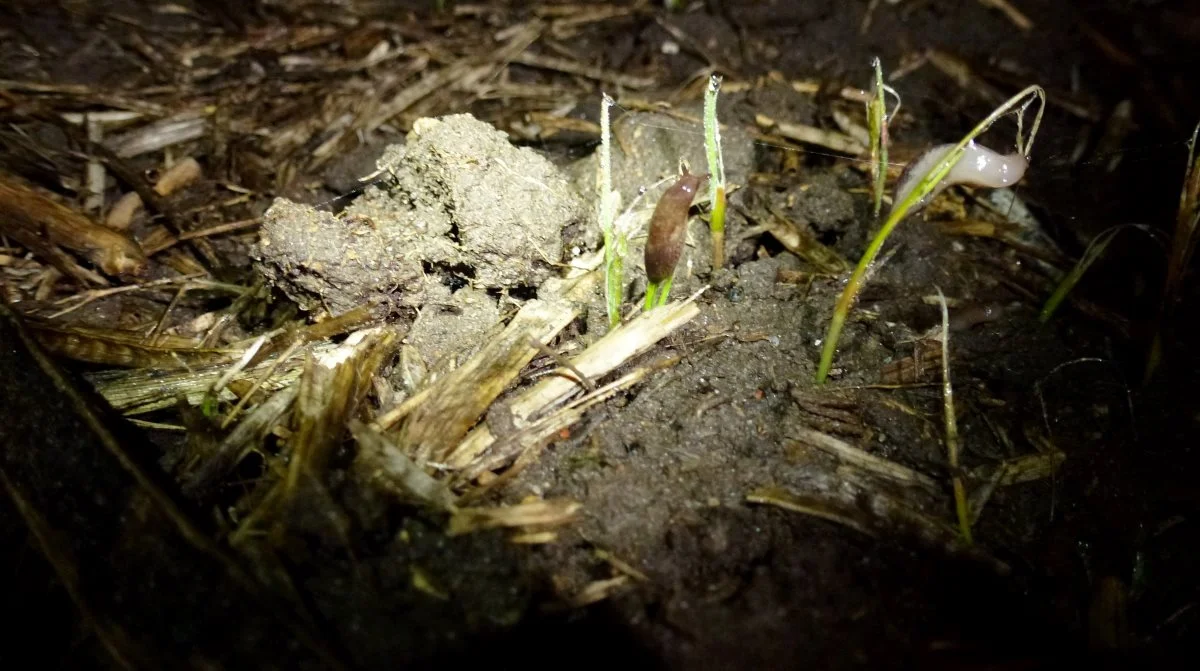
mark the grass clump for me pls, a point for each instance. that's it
(925, 187)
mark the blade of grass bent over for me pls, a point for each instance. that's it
(901, 210)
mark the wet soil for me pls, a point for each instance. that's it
(664, 471)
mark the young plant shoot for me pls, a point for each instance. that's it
(926, 177)
(668, 234)
(1094, 251)
(616, 242)
(716, 171)
(877, 126)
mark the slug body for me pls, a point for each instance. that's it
(668, 227)
(979, 166)
(973, 314)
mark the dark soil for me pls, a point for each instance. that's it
(664, 471)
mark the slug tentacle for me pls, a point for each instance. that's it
(979, 166)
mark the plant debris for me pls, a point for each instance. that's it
(322, 347)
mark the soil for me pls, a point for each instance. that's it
(664, 471)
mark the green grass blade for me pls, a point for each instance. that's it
(878, 118)
(716, 171)
(651, 291)
(877, 128)
(607, 202)
(717, 229)
(664, 291)
(614, 277)
(1183, 245)
(657, 293)
(1091, 254)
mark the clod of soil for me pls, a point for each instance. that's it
(322, 260)
(460, 205)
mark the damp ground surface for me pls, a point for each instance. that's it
(1092, 561)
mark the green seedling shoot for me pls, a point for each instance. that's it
(616, 242)
(716, 170)
(1183, 245)
(913, 193)
(1091, 254)
(877, 125)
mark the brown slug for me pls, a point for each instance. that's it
(668, 227)
(972, 314)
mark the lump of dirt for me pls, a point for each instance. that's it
(463, 203)
(321, 260)
(504, 206)
(825, 204)
(450, 321)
